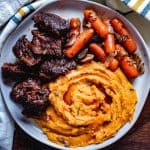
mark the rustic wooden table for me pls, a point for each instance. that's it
(138, 138)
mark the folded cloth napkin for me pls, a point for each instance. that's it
(125, 6)
(9, 8)
(118, 5)
(140, 6)
(6, 128)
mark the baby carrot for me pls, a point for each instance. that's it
(99, 26)
(114, 64)
(129, 67)
(75, 26)
(109, 43)
(74, 31)
(75, 22)
(121, 52)
(80, 42)
(127, 40)
(98, 51)
(117, 24)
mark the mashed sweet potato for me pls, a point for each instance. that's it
(88, 105)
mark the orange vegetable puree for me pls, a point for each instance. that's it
(88, 105)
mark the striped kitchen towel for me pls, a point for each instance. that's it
(17, 18)
(8, 9)
(140, 6)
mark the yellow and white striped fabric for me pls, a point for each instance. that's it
(140, 6)
(18, 17)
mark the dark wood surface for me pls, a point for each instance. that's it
(138, 138)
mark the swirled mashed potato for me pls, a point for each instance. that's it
(88, 105)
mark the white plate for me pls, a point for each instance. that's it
(68, 9)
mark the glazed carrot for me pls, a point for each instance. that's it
(117, 25)
(126, 38)
(109, 43)
(109, 26)
(75, 26)
(80, 42)
(129, 67)
(97, 23)
(75, 23)
(98, 51)
(114, 64)
(74, 31)
(121, 52)
(121, 49)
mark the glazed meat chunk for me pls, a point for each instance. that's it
(22, 50)
(14, 72)
(53, 68)
(32, 96)
(43, 44)
(51, 23)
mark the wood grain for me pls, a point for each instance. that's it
(138, 138)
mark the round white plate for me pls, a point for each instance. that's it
(69, 9)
